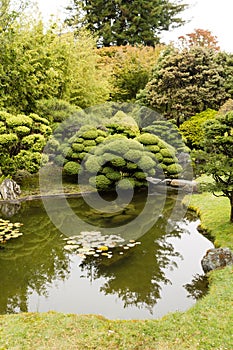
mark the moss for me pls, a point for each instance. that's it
(77, 147)
(148, 139)
(71, 168)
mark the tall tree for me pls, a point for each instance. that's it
(185, 83)
(121, 22)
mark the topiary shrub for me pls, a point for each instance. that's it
(22, 142)
(101, 182)
(71, 168)
(148, 139)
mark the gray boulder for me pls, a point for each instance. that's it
(216, 258)
(9, 189)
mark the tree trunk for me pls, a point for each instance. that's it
(231, 200)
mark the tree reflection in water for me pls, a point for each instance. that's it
(31, 262)
(137, 277)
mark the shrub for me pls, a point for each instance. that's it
(118, 162)
(22, 130)
(148, 139)
(71, 168)
(19, 120)
(101, 182)
(146, 163)
(77, 147)
(174, 169)
(92, 165)
(192, 129)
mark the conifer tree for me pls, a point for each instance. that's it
(121, 22)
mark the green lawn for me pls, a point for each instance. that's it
(207, 325)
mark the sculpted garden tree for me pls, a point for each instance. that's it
(218, 155)
(185, 83)
(121, 22)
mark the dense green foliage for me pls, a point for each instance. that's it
(55, 110)
(123, 22)
(129, 68)
(22, 139)
(113, 152)
(185, 83)
(217, 156)
(192, 129)
(39, 64)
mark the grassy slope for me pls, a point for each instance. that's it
(208, 325)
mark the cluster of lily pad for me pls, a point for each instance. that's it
(9, 230)
(94, 244)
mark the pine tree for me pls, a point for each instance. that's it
(121, 22)
(185, 83)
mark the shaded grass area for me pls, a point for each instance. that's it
(208, 325)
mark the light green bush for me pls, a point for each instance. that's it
(174, 169)
(77, 147)
(18, 120)
(22, 130)
(118, 162)
(71, 168)
(146, 163)
(101, 182)
(148, 139)
(92, 165)
(192, 129)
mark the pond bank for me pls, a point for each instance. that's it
(207, 325)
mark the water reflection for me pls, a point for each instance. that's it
(36, 266)
(31, 262)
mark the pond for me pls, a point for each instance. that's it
(158, 272)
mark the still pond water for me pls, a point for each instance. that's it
(160, 275)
